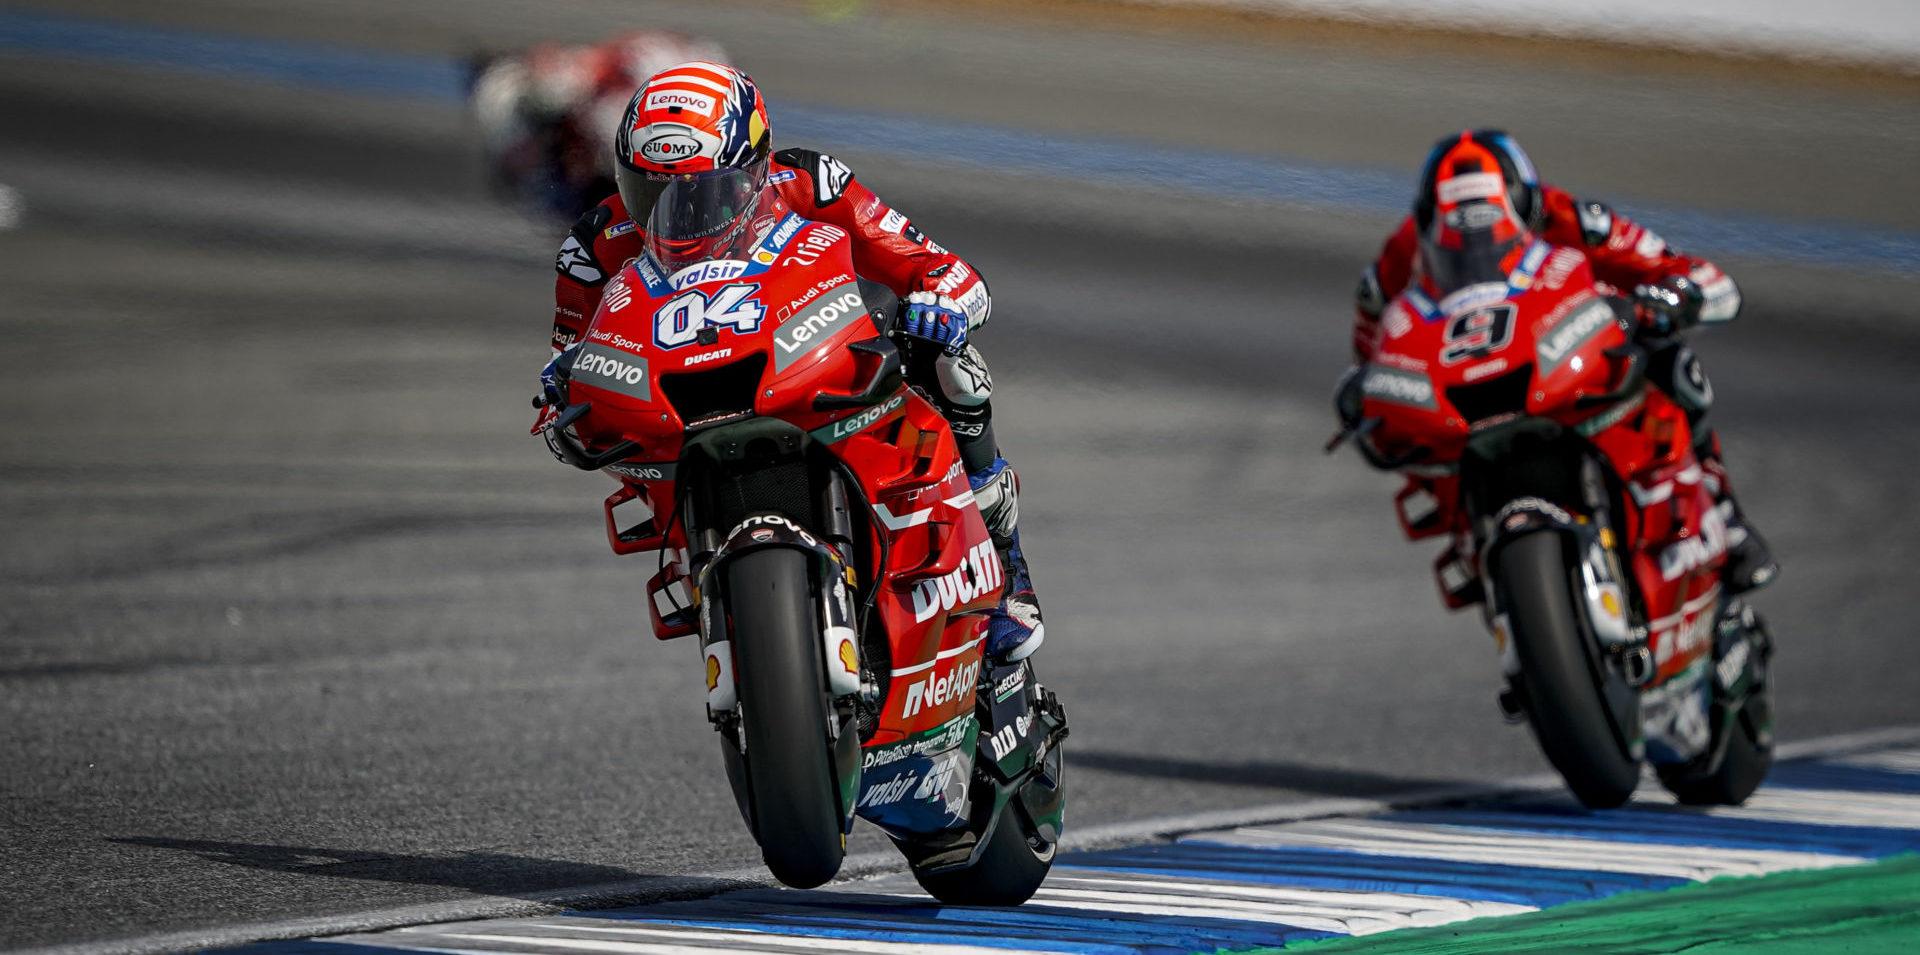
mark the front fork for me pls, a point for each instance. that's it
(834, 582)
(1618, 646)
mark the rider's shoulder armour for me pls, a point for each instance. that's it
(830, 175)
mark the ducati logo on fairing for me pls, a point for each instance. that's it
(977, 574)
(1691, 553)
(939, 689)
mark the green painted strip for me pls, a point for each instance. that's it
(1860, 910)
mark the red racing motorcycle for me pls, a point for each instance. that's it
(816, 531)
(1579, 519)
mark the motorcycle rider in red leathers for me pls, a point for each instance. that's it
(1672, 291)
(707, 118)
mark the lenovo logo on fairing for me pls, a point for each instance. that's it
(611, 369)
(1569, 335)
(794, 338)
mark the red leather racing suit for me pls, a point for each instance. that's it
(1623, 254)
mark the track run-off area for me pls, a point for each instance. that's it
(1823, 857)
(301, 635)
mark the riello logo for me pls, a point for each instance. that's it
(976, 575)
(939, 689)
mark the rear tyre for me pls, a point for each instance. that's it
(1008, 872)
(1745, 764)
(783, 717)
(1557, 680)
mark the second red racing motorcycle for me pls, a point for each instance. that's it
(817, 533)
(1579, 520)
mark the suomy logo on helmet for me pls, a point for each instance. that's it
(672, 147)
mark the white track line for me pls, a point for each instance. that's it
(1507, 847)
(1814, 807)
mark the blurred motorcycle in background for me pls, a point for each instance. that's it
(547, 114)
(1522, 417)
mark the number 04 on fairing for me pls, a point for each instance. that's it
(818, 534)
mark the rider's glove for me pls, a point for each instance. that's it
(1347, 396)
(1669, 305)
(937, 319)
(553, 379)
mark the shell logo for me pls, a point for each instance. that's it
(848, 658)
(1610, 603)
(713, 673)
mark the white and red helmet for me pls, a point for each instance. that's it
(1468, 212)
(694, 118)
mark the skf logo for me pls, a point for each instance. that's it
(939, 688)
(977, 574)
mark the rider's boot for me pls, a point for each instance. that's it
(1750, 563)
(1014, 629)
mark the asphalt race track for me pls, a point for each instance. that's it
(297, 622)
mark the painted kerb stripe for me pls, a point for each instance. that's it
(1314, 881)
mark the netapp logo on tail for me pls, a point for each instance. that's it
(614, 370)
(795, 337)
(977, 574)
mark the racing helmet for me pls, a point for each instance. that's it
(690, 125)
(1468, 211)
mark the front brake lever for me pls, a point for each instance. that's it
(1351, 432)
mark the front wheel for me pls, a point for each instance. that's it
(1557, 682)
(784, 708)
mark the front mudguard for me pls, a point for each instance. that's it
(1600, 599)
(838, 646)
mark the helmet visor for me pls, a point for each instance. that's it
(1468, 245)
(702, 215)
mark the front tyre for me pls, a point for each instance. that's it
(784, 709)
(1557, 680)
